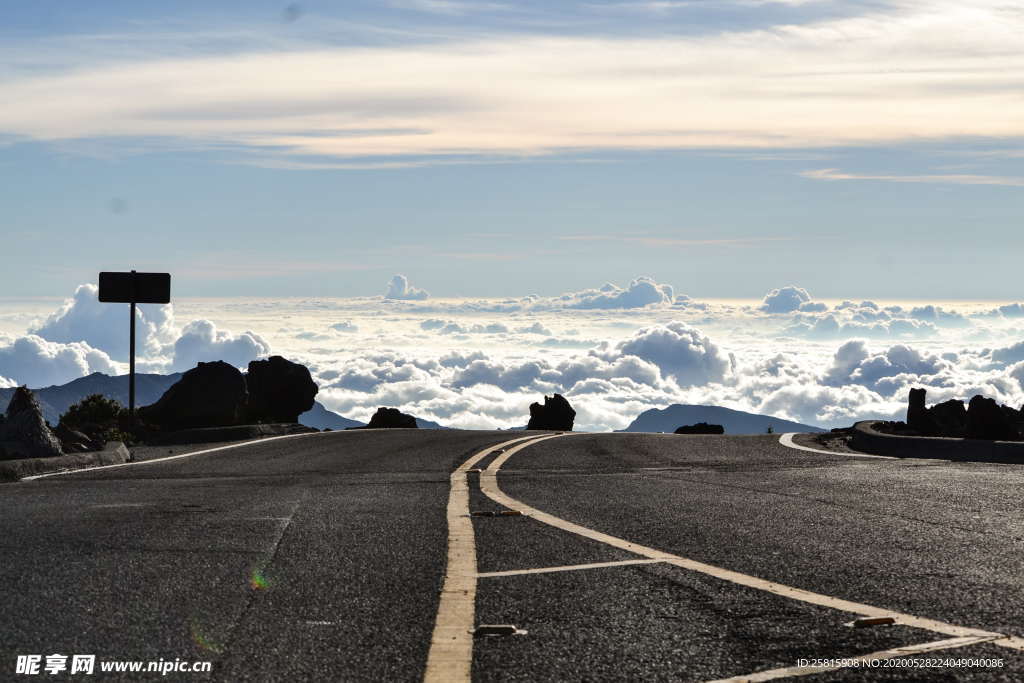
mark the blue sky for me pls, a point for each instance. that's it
(490, 149)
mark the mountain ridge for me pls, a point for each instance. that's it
(735, 421)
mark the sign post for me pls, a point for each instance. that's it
(134, 288)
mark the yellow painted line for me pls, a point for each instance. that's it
(174, 457)
(850, 662)
(787, 440)
(451, 646)
(489, 485)
(564, 568)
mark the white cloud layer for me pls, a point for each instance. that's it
(38, 362)
(480, 363)
(105, 326)
(200, 340)
(643, 291)
(785, 300)
(399, 288)
(84, 336)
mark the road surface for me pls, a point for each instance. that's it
(344, 556)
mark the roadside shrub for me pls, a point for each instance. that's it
(98, 417)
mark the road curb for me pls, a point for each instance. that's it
(115, 453)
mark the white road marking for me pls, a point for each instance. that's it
(451, 646)
(283, 524)
(787, 440)
(563, 568)
(848, 662)
(122, 505)
(489, 485)
(173, 457)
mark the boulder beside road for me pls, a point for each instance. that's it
(279, 390)
(391, 418)
(209, 395)
(23, 430)
(556, 414)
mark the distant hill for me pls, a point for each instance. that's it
(734, 421)
(319, 417)
(55, 400)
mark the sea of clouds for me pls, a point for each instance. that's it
(613, 350)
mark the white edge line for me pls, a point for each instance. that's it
(847, 662)
(172, 457)
(490, 488)
(787, 440)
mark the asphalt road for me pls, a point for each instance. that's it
(323, 557)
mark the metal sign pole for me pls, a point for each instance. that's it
(131, 373)
(134, 288)
(131, 361)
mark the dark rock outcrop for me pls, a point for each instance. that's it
(391, 418)
(701, 428)
(555, 414)
(950, 418)
(918, 417)
(23, 431)
(986, 420)
(279, 390)
(209, 395)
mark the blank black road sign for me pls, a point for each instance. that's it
(140, 288)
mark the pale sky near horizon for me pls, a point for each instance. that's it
(857, 149)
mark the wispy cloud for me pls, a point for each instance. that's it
(936, 178)
(656, 241)
(910, 71)
(456, 7)
(227, 270)
(662, 6)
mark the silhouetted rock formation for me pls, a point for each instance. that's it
(23, 431)
(391, 418)
(208, 395)
(279, 390)
(556, 414)
(982, 419)
(950, 418)
(986, 420)
(918, 417)
(701, 428)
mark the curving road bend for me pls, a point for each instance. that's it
(324, 558)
